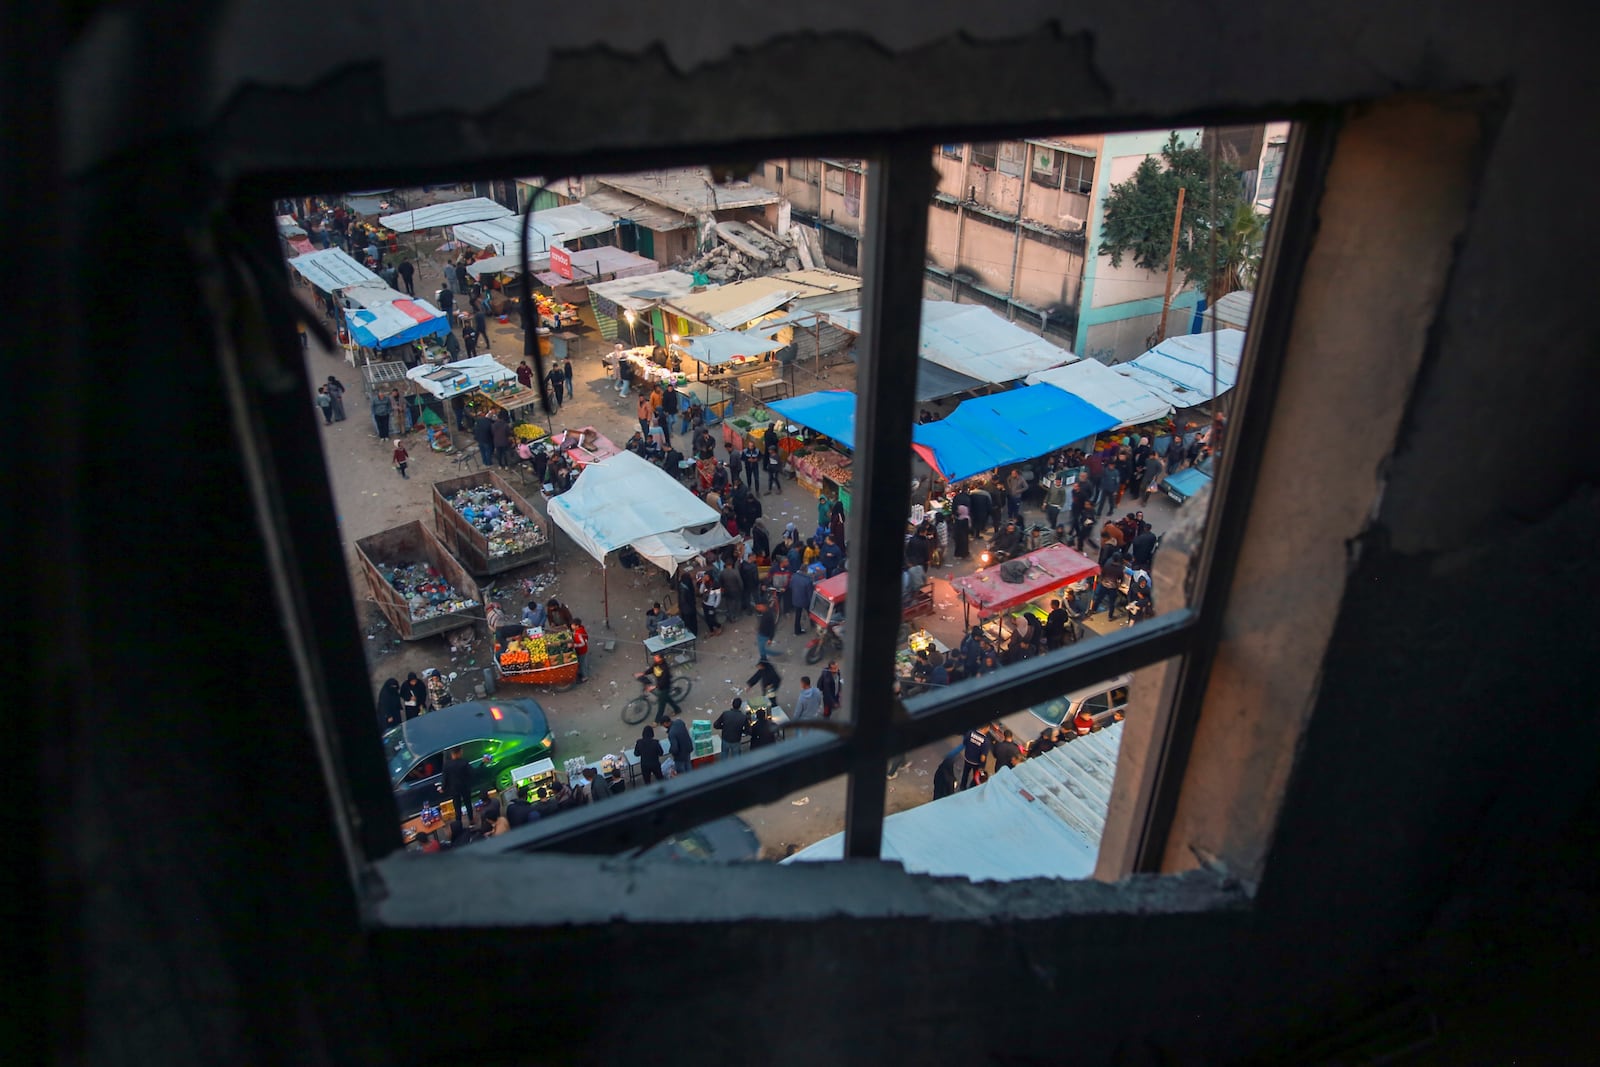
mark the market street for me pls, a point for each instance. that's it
(371, 497)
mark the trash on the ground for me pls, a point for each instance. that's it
(802, 800)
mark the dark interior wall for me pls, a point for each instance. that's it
(213, 918)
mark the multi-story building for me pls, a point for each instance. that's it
(1013, 224)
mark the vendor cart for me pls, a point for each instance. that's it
(383, 378)
(420, 588)
(544, 657)
(827, 613)
(510, 542)
(1048, 570)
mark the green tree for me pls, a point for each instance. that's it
(1137, 221)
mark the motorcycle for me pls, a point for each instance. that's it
(828, 640)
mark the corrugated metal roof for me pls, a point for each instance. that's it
(1116, 394)
(729, 307)
(330, 270)
(1231, 311)
(972, 340)
(626, 206)
(454, 213)
(1180, 368)
(829, 280)
(690, 190)
(644, 291)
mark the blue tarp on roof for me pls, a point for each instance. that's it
(992, 431)
(832, 412)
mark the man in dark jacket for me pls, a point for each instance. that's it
(750, 579)
(832, 687)
(408, 272)
(483, 434)
(455, 782)
(1055, 625)
(1108, 589)
(944, 778)
(800, 598)
(733, 723)
(979, 506)
(763, 732)
(1110, 482)
(1006, 751)
(766, 630)
(1143, 547)
(679, 745)
(520, 810)
(500, 430)
(976, 750)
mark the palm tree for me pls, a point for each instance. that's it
(1240, 236)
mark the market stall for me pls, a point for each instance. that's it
(905, 658)
(1048, 571)
(584, 446)
(988, 432)
(380, 317)
(621, 500)
(538, 656)
(522, 407)
(420, 588)
(1118, 395)
(470, 378)
(487, 524)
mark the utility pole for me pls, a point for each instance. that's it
(1172, 261)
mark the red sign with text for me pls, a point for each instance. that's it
(561, 261)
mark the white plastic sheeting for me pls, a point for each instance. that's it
(1041, 819)
(623, 499)
(453, 213)
(331, 270)
(462, 376)
(669, 550)
(720, 347)
(552, 226)
(1125, 399)
(1179, 369)
(972, 340)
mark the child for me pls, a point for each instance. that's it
(400, 458)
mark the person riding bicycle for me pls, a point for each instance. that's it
(659, 681)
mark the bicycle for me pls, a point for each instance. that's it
(643, 706)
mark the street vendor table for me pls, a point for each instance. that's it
(685, 641)
(769, 388)
(905, 658)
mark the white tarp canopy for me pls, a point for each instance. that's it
(1179, 368)
(552, 226)
(1116, 395)
(722, 346)
(972, 340)
(644, 291)
(463, 376)
(331, 270)
(453, 213)
(1040, 819)
(623, 499)
(506, 264)
(380, 316)
(672, 549)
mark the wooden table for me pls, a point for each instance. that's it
(768, 388)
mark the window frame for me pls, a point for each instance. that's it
(899, 188)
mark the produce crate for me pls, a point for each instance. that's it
(408, 544)
(469, 544)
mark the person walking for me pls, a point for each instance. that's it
(808, 705)
(679, 744)
(469, 339)
(408, 273)
(646, 413)
(767, 677)
(831, 685)
(483, 434)
(501, 431)
(648, 749)
(325, 402)
(733, 723)
(766, 630)
(336, 392)
(400, 457)
(624, 374)
(446, 300)
(413, 696)
(1110, 489)
(580, 645)
(566, 375)
(525, 374)
(381, 410)
(800, 599)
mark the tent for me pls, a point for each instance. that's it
(603, 262)
(990, 431)
(670, 550)
(331, 270)
(622, 500)
(453, 213)
(974, 341)
(831, 412)
(720, 347)
(552, 226)
(462, 376)
(1179, 369)
(1090, 380)
(386, 318)
(1049, 569)
(1042, 818)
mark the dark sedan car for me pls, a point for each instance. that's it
(495, 736)
(725, 840)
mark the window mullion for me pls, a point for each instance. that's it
(894, 239)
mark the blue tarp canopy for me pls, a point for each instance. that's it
(992, 431)
(832, 412)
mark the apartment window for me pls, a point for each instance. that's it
(1047, 167)
(1013, 157)
(778, 171)
(1078, 173)
(985, 154)
(950, 151)
(833, 179)
(896, 194)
